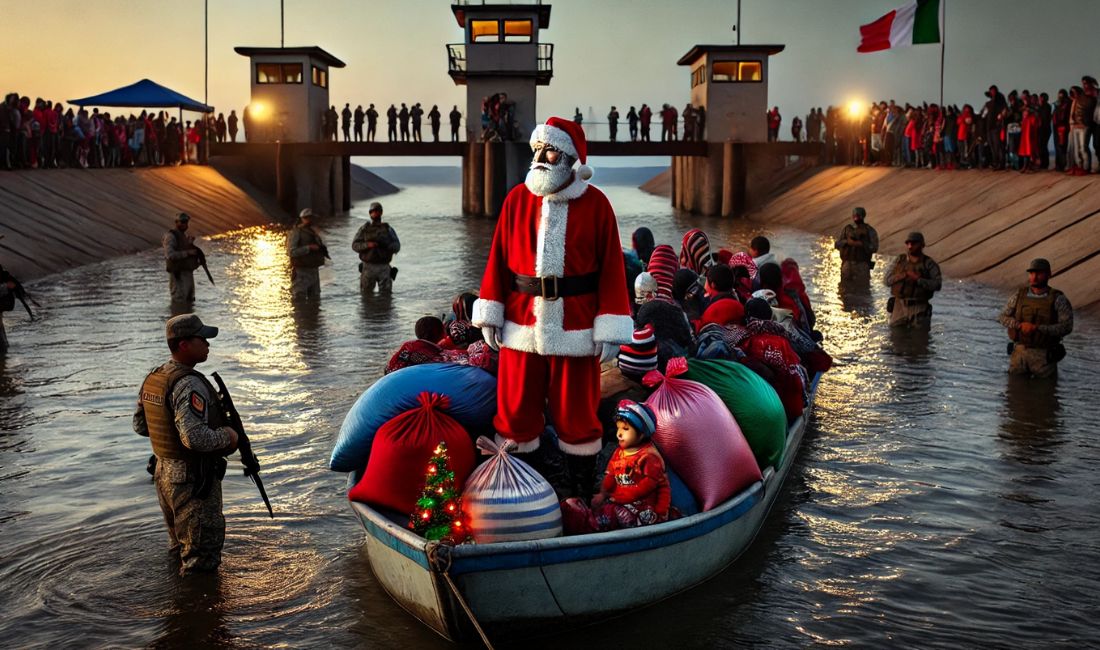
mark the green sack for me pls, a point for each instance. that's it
(752, 401)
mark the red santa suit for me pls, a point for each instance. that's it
(551, 345)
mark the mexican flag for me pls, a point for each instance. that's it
(912, 24)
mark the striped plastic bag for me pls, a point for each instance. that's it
(508, 501)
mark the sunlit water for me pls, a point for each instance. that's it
(934, 504)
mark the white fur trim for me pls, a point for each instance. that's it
(613, 328)
(584, 172)
(572, 191)
(548, 335)
(555, 137)
(582, 448)
(521, 447)
(487, 312)
(550, 247)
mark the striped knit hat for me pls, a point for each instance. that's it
(639, 416)
(663, 266)
(640, 355)
(695, 251)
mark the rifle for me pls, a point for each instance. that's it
(324, 251)
(202, 262)
(18, 291)
(244, 445)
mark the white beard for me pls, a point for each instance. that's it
(543, 179)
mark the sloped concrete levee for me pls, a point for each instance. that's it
(53, 220)
(977, 224)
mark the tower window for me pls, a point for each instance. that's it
(320, 77)
(518, 31)
(278, 73)
(484, 30)
(737, 71)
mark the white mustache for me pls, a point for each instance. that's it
(542, 166)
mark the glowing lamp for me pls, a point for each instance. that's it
(855, 108)
(259, 110)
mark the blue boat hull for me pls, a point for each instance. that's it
(516, 589)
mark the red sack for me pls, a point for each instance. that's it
(699, 438)
(403, 446)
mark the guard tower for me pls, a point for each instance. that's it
(731, 83)
(289, 92)
(501, 54)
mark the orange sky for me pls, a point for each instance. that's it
(611, 51)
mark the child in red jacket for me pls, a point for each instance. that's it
(635, 490)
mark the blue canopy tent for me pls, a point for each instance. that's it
(144, 94)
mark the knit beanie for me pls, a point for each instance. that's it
(642, 242)
(663, 266)
(640, 355)
(759, 309)
(695, 251)
(724, 311)
(684, 283)
(639, 416)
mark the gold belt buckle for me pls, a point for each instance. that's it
(554, 280)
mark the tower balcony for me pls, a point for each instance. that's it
(501, 60)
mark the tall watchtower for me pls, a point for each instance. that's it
(289, 92)
(731, 83)
(501, 54)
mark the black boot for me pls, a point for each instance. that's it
(582, 473)
(549, 462)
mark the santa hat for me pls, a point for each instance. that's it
(568, 137)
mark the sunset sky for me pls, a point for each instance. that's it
(606, 52)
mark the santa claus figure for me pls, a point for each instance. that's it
(554, 300)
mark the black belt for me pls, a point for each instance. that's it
(552, 287)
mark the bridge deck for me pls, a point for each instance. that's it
(444, 148)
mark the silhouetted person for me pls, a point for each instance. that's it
(613, 124)
(632, 121)
(434, 117)
(231, 123)
(403, 118)
(345, 122)
(359, 115)
(372, 123)
(391, 123)
(416, 114)
(645, 117)
(456, 120)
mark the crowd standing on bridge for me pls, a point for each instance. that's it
(1004, 132)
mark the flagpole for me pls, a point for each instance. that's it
(943, 45)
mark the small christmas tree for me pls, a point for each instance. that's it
(438, 514)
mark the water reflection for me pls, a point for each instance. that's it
(197, 615)
(911, 343)
(1031, 422)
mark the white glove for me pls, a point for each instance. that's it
(610, 351)
(492, 337)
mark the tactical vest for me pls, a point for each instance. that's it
(380, 234)
(909, 289)
(856, 253)
(185, 264)
(160, 417)
(1038, 310)
(312, 259)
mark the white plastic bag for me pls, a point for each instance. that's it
(508, 501)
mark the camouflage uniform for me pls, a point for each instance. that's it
(856, 260)
(305, 280)
(1033, 355)
(196, 527)
(377, 243)
(911, 297)
(181, 278)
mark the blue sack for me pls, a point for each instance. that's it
(682, 498)
(473, 394)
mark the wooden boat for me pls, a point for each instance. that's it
(517, 589)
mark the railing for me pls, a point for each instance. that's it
(456, 58)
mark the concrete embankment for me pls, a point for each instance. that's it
(977, 224)
(53, 220)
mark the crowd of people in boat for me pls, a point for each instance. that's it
(1005, 132)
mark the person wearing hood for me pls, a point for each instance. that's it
(642, 243)
(768, 344)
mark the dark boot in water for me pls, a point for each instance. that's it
(582, 472)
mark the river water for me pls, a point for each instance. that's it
(935, 502)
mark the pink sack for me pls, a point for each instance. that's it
(698, 437)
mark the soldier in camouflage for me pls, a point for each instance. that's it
(913, 279)
(307, 254)
(857, 243)
(178, 411)
(1037, 317)
(181, 258)
(377, 243)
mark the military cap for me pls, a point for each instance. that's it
(375, 206)
(1039, 265)
(915, 237)
(186, 326)
(183, 216)
(305, 213)
(860, 212)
